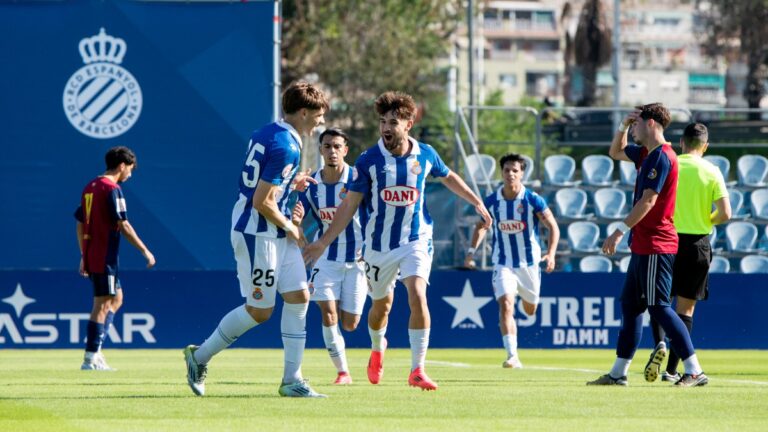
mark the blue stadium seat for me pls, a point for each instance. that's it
(723, 164)
(559, 169)
(759, 203)
(754, 264)
(595, 263)
(753, 170)
(741, 236)
(583, 236)
(571, 203)
(610, 203)
(597, 170)
(624, 264)
(719, 265)
(528, 173)
(736, 198)
(623, 246)
(476, 165)
(627, 173)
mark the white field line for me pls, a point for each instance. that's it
(545, 368)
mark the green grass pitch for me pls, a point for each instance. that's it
(44, 390)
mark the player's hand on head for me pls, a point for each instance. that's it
(302, 180)
(150, 259)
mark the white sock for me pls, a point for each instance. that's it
(419, 342)
(510, 344)
(692, 366)
(620, 368)
(293, 328)
(334, 341)
(377, 338)
(231, 327)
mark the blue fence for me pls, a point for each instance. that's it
(49, 309)
(183, 84)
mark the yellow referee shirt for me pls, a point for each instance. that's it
(699, 185)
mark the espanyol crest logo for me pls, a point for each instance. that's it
(101, 99)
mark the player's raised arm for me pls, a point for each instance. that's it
(344, 215)
(619, 143)
(455, 184)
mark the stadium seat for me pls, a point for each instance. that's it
(623, 246)
(753, 170)
(571, 203)
(610, 203)
(624, 264)
(559, 169)
(741, 236)
(723, 164)
(597, 170)
(754, 264)
(719, 265)
(476, 165)
(736, 198)
(627, 173)
(759, 203)
(595, 263)
(528, 173)
(583, 236)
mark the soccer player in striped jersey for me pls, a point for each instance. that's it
(267, 244)
(101, 217)
(337, 282)
(398, 234)
(516, 212)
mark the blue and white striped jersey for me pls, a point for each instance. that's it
(515, 228)
(274, 155)
(321, 201)
(394, 194)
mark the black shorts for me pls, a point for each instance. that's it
(690, 275)
(104, 284)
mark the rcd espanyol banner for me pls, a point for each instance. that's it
(181, 83)
(49, 309)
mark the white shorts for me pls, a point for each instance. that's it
(345, 282)
(522, 281)
(267, 266)
(381, 268)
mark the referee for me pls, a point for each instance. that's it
(700, 185)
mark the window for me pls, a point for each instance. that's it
(507, 80)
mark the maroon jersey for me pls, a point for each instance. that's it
(102, 205)
(655, 233)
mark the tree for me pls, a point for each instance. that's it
(727, 21)
(592, 46)
(358, 50)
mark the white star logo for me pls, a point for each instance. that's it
(467, 306)
(18, 300)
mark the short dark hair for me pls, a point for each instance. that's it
(656, 111)
(695, 135)
(117, 155)
(401, 103)
(334, 132)
(513, 157)
(302, 94)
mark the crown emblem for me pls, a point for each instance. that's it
(102, 48)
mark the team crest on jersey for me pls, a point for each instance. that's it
(287, 170)
(416, 169)
(258, 294)
(399, 196)
(102, 99)
(343, 193)
(520, 208)
(511, 226)
(327, 214)
(652, 174)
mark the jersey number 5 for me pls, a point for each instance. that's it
(251, 168)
